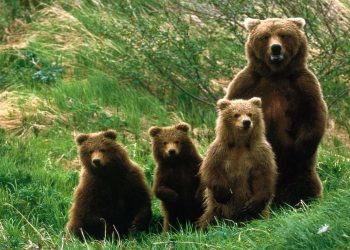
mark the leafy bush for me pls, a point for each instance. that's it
(132, 64)
(49, 73)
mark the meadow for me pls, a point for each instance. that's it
(85, 66)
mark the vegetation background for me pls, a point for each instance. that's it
(88, 65)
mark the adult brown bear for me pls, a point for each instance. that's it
(293, 106)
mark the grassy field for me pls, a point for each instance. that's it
(84, 67)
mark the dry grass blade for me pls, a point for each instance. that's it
(22, 113)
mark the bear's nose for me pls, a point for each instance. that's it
(171, 152)
(96, 162)
(246, 124)
(276, 49)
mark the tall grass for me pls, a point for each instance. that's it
(129, 65)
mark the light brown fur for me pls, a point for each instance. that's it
(239, 170)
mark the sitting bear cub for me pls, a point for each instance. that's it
(112, 197)
(239, 170)
(176, 181)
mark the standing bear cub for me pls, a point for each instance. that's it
(176, 181)
(112, 197)
(293, 106)
(239, 170)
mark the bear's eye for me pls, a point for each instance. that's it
(250, 114)
(284, 36)
(91, 151)
(176, 142)
(102, 150)
(237, 115)
(264, 38)
(165, 143)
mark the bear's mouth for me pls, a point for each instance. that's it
(96, 163)
(276, 59)
(244, 129)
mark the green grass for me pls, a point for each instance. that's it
(36, 194)
(131, 65)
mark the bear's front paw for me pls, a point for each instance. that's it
(138, 225)
(201, 224)
(221, 195)
(170, 196)
(133, 228)
(304, 149)
(253, 207)
(166, 194)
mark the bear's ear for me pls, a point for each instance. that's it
(223, 103)
(81, 138)
(110, 133)
(183, 126)
(256, 101)
(251, 23)
(298, 21)
(153, 131)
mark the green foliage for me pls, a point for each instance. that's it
(36, 195)
(48, 74)
(128, 65)
(182, 51)
(27, 66)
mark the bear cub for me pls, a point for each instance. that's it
(112, 197)
(176, 181)
(239, 171)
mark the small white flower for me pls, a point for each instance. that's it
(323, 229)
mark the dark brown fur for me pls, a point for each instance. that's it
(112, 194)
(239, 170)
(294, 110)
(176, 181)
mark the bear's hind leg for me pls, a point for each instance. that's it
(205, 219)
(142, 219)
(305, 187)
(166, 223)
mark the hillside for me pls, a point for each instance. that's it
(90, 65)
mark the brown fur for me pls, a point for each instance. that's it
(176, 181)
(239, 170)
(293, 106)
(112, 195)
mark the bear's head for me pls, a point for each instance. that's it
(99, 152)
(171, 143)
(239, 120)
(275, 43)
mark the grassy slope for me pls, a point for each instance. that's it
(36, 178)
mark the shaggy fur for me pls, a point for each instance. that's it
(112, 195)
(239, 170)
(176, 181)
(294, 110)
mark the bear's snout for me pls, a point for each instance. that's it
(97, 159)
(276, 53)
(96, 162)
(171, 149)
(276, 49)
(172, 152)
(246, 124)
